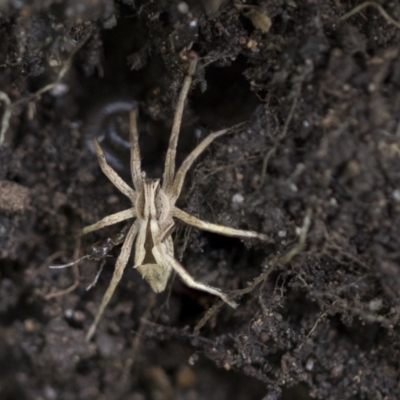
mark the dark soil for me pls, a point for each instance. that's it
(319, 98)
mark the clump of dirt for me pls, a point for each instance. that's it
(314, 165)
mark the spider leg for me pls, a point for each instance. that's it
(135, 152)
(110, 220)
(112, 175)
(169, 170)
(160, 253)
(190, 159)
(119, 269)
(220, 229)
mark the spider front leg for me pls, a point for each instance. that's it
(169, 169)
(136, 171)
(179, 178)
(112, 175)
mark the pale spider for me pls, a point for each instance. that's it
(153, 206)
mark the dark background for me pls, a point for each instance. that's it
(319, 98)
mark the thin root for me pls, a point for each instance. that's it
(75, 271)
(5, 122)
(382, 11)
(287, 257)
